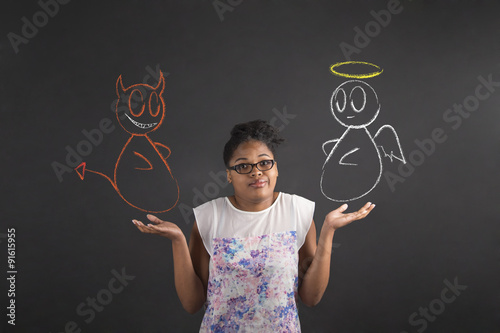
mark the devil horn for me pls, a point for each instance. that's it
(161, 84)
(120, 89)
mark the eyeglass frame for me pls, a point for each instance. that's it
(253, 165)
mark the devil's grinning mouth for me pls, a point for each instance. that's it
(140, 125)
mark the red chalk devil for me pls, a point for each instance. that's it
(142, 176)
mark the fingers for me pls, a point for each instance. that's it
(154, 219)
(148, 229)
(365, 210)
(368, 207)
(361, 213)
(342, 208)
(336, 219)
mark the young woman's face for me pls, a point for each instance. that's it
(256, 186)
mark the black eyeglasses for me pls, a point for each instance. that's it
(245, 168)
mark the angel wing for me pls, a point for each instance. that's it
(387, 141)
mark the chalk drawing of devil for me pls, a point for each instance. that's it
(355, 158)
(142, 176)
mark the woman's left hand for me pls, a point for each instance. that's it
(337, 219)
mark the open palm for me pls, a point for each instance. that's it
(337, 219)
(162, 228)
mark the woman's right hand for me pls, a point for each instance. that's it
(161, 228)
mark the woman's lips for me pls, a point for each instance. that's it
(258, 183)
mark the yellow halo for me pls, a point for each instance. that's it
(356, 76)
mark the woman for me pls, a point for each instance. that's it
(251, 254)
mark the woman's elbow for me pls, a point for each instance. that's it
(192, 308)
(310, 300)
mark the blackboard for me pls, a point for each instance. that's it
(426, 259)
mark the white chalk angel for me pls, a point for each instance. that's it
(353, 166)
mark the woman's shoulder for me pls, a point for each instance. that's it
(212, 202)
(209, 205)
(295, 198)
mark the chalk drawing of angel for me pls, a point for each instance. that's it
(356, 157)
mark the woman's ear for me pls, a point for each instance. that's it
(229, 180)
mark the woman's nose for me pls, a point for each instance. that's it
(256, 171)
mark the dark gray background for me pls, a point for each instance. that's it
(440, 223)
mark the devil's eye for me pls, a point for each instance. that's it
(358, 98)
(136, 103)
(340, 100)
(154, 104)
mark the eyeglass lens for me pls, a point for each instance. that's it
(247, 168)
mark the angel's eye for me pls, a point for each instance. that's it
(358, 98)
(340, 100)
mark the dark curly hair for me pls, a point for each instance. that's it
(258, 130)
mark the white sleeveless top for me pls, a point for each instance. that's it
(253, 272)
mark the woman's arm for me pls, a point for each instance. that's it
(200, 259)
(190, 263)
(314, 260)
